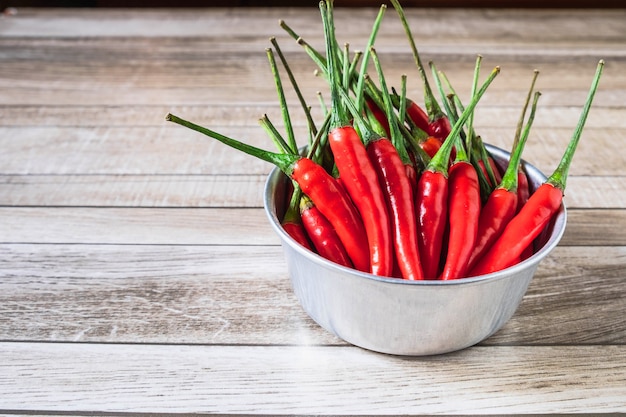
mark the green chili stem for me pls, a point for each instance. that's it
(273, 133)
(520, 122)
(284, 161)
(509, 179)
(364, 62)
(402, 106)
(396, 135)
(439, 163)
(292, 79)
(432, 107)
(470, 122)
(559, 177)
(291, 138)
(339, 116)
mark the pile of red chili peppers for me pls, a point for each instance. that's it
(397, 190)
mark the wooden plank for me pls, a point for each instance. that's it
(246, 114)
(242, 295)
(173, 150)
(233, 191)
(43, 377)
(133, 190)
(520, 25)
(201, 226)
(218, 226)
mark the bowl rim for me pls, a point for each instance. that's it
(558, 229)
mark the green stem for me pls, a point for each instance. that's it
(520, 122)
(559, 177)
(396, 135)
(439, 163)
(292, 79)
(370, 43)
(291, 139)
(470, 122)
(402, 106)
(284, 161)
(339, 116)
(432, 107)
(273, 133)
(509, 179)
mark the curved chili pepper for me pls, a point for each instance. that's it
(392, 163)
(399, 195)
(523, 189)
(465, 204)
(540, 208)
(356, 170)
(431, 199)
(521, 230)
(322, 233)
(321, 187)
(417, 115)
(360, 180)
(292, 222)
(431, 206)
(501, 206)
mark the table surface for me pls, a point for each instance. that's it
(138, 271)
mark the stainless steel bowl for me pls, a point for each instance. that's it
(403, 317)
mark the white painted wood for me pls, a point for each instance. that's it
(139, 274)
(309, 380)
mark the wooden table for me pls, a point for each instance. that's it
(139, 274)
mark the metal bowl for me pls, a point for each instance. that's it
(401, 317)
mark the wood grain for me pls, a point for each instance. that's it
(216, 379)
(139, 273)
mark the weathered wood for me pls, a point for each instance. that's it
(139, 273)
(218, 226)
(242, 295)
(290, 380)
(234, 191)
(170, 149)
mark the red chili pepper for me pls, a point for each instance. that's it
(380, 115)
(292, 222)
(321, 187)
(356, 170)
(431, 145)
(399, 195)
(392, 163)
(360, 180)
(464, 202)
(431, 205)
(322, 233)
(418, 115)
(542, 205)
(501, 206)
(431, 199)
(523, 189)
(439, 126)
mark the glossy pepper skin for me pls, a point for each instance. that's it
(431, 206)
(361, 181)
(398, 191)
(322, 234)
(334, 203)
(523, 189)
(500, 208)
(297, 232)
(521, 230)
(417, 115)
(464, 212)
